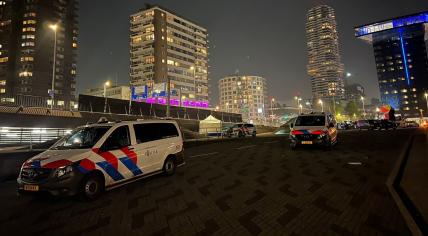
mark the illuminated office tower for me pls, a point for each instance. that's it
(165, 45)
(27, 44)
(325, 68)
(401, 61)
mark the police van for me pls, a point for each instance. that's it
(314, 129)
(102, 156)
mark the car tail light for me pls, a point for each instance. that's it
(319, 132)
(296, 132)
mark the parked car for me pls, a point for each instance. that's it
(314, 129)
(374, 124)
(241, 130)
(387, 124)
(411, 124)
(103, 156)
(362, 124)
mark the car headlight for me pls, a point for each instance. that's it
(63, 171)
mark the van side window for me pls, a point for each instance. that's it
(118, 139)
(152, 132)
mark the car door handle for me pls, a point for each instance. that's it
(131, 148)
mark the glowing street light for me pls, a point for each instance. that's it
(426, 98)
(271, 107)
(106, 84)
(348, 74)
(364, 107)
(322, 105)
(54, 28)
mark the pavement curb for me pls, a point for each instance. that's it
(391, 183)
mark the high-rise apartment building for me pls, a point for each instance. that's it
(167, 46)
(401, 61)
(246, 95)
(325, 68)
(30, 31)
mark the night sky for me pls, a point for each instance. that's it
(265, 38)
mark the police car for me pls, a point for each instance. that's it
(241, 130)
(314, 129)
(103, 156)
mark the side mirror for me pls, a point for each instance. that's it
(292, 125)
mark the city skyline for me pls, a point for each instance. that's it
(232, 49)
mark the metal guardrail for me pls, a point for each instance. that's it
(14, 135)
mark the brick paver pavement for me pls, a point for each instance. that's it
(244, 187)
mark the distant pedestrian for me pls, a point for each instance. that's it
(391, 114)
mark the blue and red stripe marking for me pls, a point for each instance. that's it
(130, 161)
(111, 164)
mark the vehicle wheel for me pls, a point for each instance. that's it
(254, 134)
(241, 134)
(169, 166)
(92, 186)
(328, 144)
(293, 146)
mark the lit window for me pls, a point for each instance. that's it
(27, 58)
(74, 45)
(2, 90)
(150, 37)
(28, 36)
(27, 44)
(25, 74)
(60, 103)
(4, 59)
(29, 29)
(136, 39)
(3, 82)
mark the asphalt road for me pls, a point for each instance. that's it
(242, 187)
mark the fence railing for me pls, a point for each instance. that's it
(25, 136)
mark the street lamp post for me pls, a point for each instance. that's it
(271, 107)
(168, 97)
(54, 28)
(106, 84)
(377, 113)
(194, 78)
(364, 107)
(426, 98)
(322, 105)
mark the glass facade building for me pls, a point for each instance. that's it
(401, 61)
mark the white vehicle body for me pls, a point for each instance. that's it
(126, 151)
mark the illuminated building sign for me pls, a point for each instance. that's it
(396, 23)
(159, 97)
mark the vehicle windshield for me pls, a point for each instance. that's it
(310, 121)
(82, 138)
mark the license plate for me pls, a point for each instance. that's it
(307, 142)
(32, 188)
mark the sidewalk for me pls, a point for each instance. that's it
(415, 177)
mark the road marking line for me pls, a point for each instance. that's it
(272, 142)
(204, 155)
(355, 163)
(244, 147)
